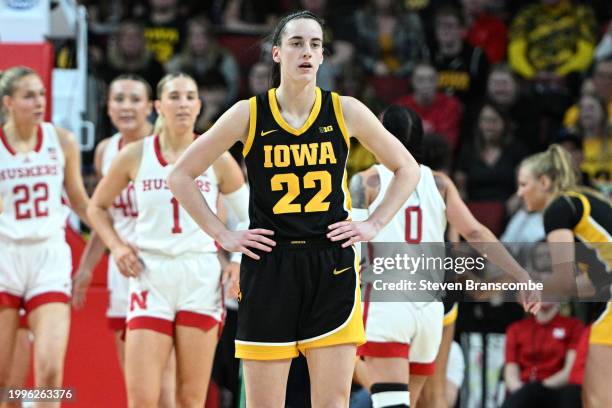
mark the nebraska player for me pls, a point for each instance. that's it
(409, 330)
(129, 104)
(37, 162)
(175, 292)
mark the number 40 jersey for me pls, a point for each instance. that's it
(297, 177)
(31, 186)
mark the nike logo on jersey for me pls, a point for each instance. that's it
(268, 132)
(338, 272)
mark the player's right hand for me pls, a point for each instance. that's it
(126, 258)
(80, 284)
(241, 241)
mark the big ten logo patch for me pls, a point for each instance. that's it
(139, 299)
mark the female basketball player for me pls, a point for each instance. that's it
(175, 292)
(571, 213)
(129, 104)
(304, 294)
(37, 163)
(400, 331)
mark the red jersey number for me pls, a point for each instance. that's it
(414, 225)
(38, 194)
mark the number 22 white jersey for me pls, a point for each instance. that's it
(422, 218)
(163, 226)
(124, 210)
(31, 186)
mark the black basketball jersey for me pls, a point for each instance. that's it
(590, 219)
(297, 177)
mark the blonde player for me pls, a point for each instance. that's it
(37, 163)
(175, 277)
(403, 337)
(129, 105)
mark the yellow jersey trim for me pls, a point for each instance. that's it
(281, 121)
(252, 125)
(451, 316)
(340, 117)
(587, 229)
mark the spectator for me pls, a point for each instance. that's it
(201, 54)
(540, 352)
(486, 167)
(462, 69)
(259, 78)
(440, 113)
(213, 90)
(595, 130)
(337, 33)
(390, 39)
(503, 89)
(127, 54)
(163, 29)
(551, 39)
(574, 145)
(485, 30)
(251, 17)
(602, 84)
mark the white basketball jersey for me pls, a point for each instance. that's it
(31, 186)
(124, 210)
(163, 226)
(422, 218)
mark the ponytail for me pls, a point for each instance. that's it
(556, 164)
(562, 165)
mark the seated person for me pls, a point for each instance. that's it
(540, 352)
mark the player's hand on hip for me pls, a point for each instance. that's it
(80, 284)
(353, 231)
(242, 241)
(231, 279)
(126, 258)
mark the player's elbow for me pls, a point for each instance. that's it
(477, 233)
(175, 178)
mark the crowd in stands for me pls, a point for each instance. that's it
(493, 81)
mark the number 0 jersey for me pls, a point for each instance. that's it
(422, 218)
(163, 226)
(297, 177)
(31, 186)
(124, 210)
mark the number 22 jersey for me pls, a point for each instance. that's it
(31, 186)
(297, 177)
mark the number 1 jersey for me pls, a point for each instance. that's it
(297, 177)
(163, 227)
(31, 186)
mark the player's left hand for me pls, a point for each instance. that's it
(231, 278)
(354, 231)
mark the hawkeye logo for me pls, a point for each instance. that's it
(338, 272)
(268, 132)
(326, 129)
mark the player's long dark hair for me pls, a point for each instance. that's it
(405, 124)
(277, 34)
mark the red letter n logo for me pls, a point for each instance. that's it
(140, 301)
